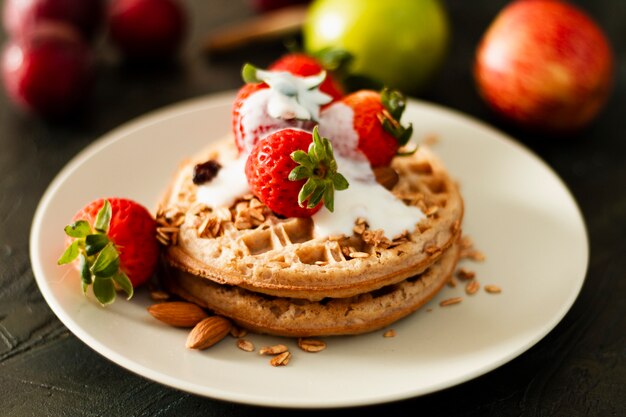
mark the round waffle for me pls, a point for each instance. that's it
(246, 245)
(302, 318)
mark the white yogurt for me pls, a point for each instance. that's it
(229, 184)
(294, 97)
(337, 124)
(367, 199)
(256, 121)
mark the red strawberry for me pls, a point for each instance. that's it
(298, 99)
(237, 122)
(376, 122)
(115, 243)
(293, 172)
(305, 66)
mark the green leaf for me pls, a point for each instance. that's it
(302, 158)
(248, 73)
(317, 195)
(300, 172)
(95, 243)
(78, 229)
(305, 192)
(103, 219)
(334, 59)
(104, 290)
(329, 199)
(340, 182)
(85, 273)
(85, 288)
(70, 254)
(107, 263)
(394, 101)
(124, 283)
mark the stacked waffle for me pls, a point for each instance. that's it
(272, 274)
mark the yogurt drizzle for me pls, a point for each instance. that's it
(364, 198)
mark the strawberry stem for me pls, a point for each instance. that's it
(394, 103)
(319, 167)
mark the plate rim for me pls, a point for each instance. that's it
(217, 100)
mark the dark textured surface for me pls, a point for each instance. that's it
(579, 369)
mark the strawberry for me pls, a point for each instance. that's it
(115, 243)
(294, 172)
(274, 100)
(239, 130)
(305, 66)
(376, 123)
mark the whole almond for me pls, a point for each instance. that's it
(208, 332)
(386, 176)
(178, 313)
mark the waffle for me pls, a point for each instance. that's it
(246, 245)
(302, 318)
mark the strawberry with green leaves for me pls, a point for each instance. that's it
(375, 120)
(305, 65)
(274, 100)
(294, 173)
(115, 246)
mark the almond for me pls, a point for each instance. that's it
(208, 332)
(386, 176)
(177, 313)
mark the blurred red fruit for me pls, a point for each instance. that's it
(48, 72)
(20, 16)
(545, 65)
(147, 29)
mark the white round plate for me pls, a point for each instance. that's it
(518, 212)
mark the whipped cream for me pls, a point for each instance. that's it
(367, 199)
(257, 122)
(229, 184)
(293, 97)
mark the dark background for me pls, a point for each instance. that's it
(579, 369)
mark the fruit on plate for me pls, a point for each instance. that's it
(21, 16)
(274, 100)
(398, 43)
(304, 65)
(115, 244)
(48, 72)
(545, 65)
(294, 173)
(375, 123)
(147, 29)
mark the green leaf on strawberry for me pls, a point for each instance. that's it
(79, 228)
(98, 258)
(70, 253)
(104, 290)
(395, 103)
(319, 167)
(103, 220)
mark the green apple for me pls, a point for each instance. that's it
(400, 43)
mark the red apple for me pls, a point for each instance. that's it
(20, 16)
(49, 72)
(147, 29)
(545, 65)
